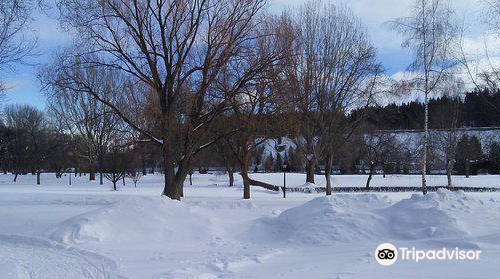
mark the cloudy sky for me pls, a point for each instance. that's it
(373, 13)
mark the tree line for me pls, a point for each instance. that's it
(476, 109)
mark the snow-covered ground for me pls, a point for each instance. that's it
(88, 231)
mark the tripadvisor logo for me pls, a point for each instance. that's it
(387, 254)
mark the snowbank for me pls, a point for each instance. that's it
(322, 221)
(138, 220)
(428, 216)
(329, 219)
(344, 218)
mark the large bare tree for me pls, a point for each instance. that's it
(332, 70)
(177, 48)
(254, 98)
(429, 33)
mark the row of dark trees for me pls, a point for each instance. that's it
(30, 142)
(477, 108)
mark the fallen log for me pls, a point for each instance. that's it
(264, 185)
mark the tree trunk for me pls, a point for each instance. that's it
(190, 179)
(246, 183)
(38, 178)
(370, 175)
(328, 174)
(91, 171)
(425, 142)
(143, 162)
(15, 176)
(91, 166)
(244, 162)
(467, 168)
(123, 180)
(100, 159)
(114, 185)
(174, 181)
(310, 166)
(449, 169)
(230, 172)
(168, 172)
(178, 187)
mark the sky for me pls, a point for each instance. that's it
(25, 88)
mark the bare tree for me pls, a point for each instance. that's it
(378, 147)
(138, 101)
(135, 176)
(254, 109)
(77, 112)
(177, 48)
(333, 70)
(117, 166)
(482, 71)
(445, 140)
(29, 124)
(429, 33)
(16, 39)
(226, 156)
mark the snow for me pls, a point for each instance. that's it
(130, 219)
(88, 231)
(421, 217)
(343, 218)
(325, 221)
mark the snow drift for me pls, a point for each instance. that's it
(344, 218)
(137, 219)
(427, 216)
(328, 219)
(322, 221)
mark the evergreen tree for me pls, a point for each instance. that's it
(494, 158)
(469, 152)
(462, 155)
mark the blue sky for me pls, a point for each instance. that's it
(25, 88)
